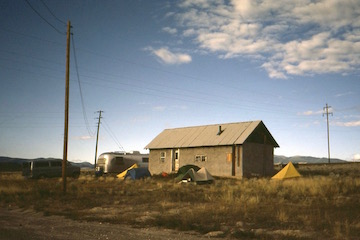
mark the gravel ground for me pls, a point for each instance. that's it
(18, 223)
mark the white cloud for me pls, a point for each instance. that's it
(344, 94)
(159, 108)
(310, 113)
(168, 57)
(291, 37)
(348, 124)
(84, 138)
(170, 30)
(356, 157)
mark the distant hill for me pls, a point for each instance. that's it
(15, 164)
(304, 159)
(83, 164)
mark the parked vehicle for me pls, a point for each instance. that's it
(47, 168)
(117, 162)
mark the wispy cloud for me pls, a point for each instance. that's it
(84, 138)
(170, 30)
(348, 124)
(290, 37)
(165, 56)
(310, 113)
(344, 94)
(159, 108)
(356, 157)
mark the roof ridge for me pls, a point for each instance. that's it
(214, 124)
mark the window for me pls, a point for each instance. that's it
(162, 156)
(56, 164)
(119, 161)
(145, 160)
(200, 158)
(41, 164)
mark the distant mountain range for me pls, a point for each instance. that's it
(15, 164)
(308, 160)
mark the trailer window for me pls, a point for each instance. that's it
(119, 161)
(145, 159)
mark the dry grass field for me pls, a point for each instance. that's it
(323, 204)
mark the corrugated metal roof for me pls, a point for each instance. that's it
(232, 133)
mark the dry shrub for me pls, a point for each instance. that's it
(282, 215)
(312, 203)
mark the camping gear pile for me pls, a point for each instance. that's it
(134, 172)
(192, 173)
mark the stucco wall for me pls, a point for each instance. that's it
(156, 165)
(251, 159)
(217, 162)
(216, 159)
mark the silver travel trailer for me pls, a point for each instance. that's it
(117, 162)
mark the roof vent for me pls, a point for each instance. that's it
(220, 131)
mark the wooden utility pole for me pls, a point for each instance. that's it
(326, 112)
(97, 136)
(66, 125)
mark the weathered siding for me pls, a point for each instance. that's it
(156, 165)
(258, 160)
(217, 159)
(250, 159)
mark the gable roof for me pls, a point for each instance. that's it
(208, 135)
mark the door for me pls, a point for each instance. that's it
(175, 162)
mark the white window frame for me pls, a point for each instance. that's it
(162, 157)
(200, 158)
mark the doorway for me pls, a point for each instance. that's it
(175, 160)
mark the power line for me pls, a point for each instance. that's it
(51, 12)
(43, 18)
(112, 135)
(81, 94)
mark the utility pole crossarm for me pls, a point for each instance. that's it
(326, 112)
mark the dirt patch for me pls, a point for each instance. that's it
(16, 223)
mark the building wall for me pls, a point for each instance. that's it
(217, 160)
(258, 160)
(250, 159)
(157, 164)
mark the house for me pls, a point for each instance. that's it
(242, 149)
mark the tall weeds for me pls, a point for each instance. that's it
(324, 205)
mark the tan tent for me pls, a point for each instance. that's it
(201, 176)
(289, 171)
(122, 175)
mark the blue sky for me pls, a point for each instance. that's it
(152, 65)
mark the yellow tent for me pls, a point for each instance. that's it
(122, 175)
(289, 171)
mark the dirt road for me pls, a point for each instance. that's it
(17, 223)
